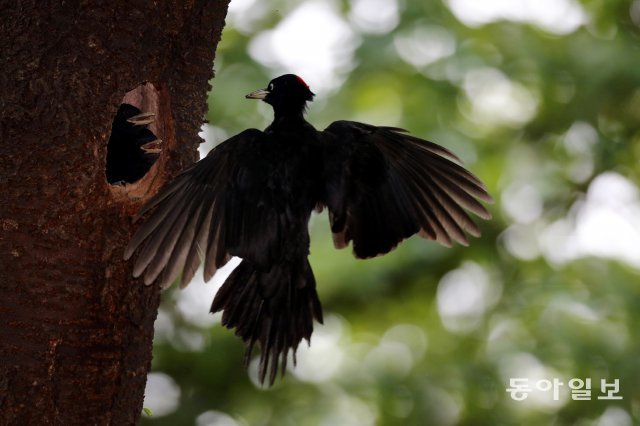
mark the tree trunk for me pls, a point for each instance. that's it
(75, 329)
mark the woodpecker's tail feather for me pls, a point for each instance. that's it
(274, 308)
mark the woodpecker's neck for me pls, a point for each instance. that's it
(287, 123)
(287, 116)
(287, 120)
(293, 112)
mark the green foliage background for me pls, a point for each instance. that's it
(388, 354)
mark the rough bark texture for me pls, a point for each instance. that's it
(75, 328)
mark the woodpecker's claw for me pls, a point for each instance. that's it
(153, 147)
(142, 119)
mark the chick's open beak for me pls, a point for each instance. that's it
(258, 94)
(142, 119)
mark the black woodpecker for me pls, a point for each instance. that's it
(252, 197)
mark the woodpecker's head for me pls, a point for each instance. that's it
(286, 94)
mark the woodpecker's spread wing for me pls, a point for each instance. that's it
(383, 185)
(221, 206)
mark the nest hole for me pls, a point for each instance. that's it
(135, 143)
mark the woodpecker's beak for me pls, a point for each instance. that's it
(258, 94)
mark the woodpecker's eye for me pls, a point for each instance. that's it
(270, 87)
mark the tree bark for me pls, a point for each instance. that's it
(75, 329)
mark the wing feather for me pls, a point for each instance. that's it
(161, 247)
(449, 196)
(198, 247)
(409, 186)
(218, 208)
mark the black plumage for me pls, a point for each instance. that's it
(253, 195)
